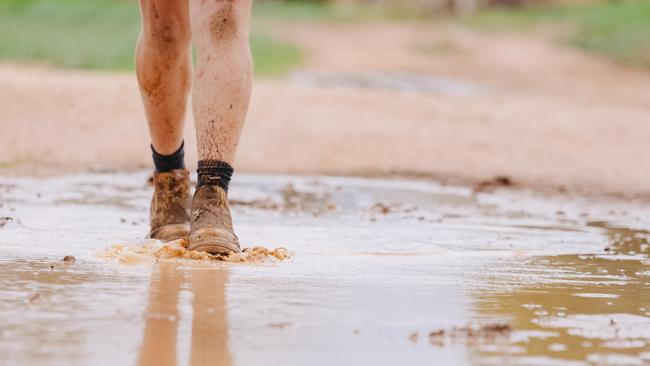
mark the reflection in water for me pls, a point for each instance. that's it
(209, 324)
(593, 308)
(159, 342)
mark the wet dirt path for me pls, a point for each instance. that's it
(381, 272)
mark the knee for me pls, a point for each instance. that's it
(167, 35)
(224, 23)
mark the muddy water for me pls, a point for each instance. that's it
(381, 272)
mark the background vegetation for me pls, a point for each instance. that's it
(100, 34)
(618, 29)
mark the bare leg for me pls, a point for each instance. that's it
(222, 83)
(164, 73)
(221, 93)
(164, 69)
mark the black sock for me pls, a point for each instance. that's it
(167, 163)
(214, 172)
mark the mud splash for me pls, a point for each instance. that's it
(154, 250)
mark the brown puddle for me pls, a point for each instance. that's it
(576, 309)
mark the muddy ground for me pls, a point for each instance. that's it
(427, 100)
(381, 272)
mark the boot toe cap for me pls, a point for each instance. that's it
(214, 241)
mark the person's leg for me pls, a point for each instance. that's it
(164, 69)
(220, 97)
(222, 82)
(164, 74)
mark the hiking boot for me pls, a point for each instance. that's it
(169, 214)
(211, 227)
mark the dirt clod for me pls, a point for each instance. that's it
(381, 208)
(33, 298)
(437, 333)
(489, 185)
(414, 337)
(385, 209)
(497, 328)
(487, 333)
(5, 220)
(69, 259)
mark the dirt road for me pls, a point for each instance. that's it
(430, 100)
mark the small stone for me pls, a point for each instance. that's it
(69, 259)
(413, 337)
(33, 298)
(5, 220)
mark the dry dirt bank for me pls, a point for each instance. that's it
(374, 99)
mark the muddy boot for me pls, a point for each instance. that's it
(211, 228)
(169, 215)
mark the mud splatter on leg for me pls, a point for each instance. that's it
(222, 86)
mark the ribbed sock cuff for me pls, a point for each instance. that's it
(167, 163)
(214, 172)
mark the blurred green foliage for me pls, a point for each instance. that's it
(100, 34)
(618, 29)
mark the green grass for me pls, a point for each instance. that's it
(618, 29)
(273, 57)
(100, 35)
